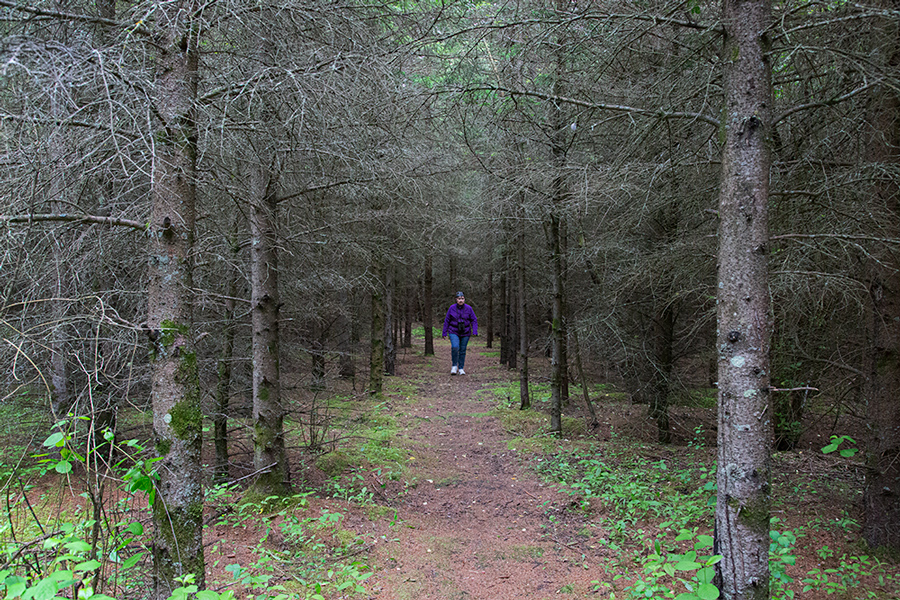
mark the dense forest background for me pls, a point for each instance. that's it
(210, 205)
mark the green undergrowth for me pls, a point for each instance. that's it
(508, 393)
(696, 398)
(305, 548)
(362, 432)
(652, 514)
(656, 513)
(419, 332)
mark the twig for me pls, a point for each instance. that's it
(22, 548)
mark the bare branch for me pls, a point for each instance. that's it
(660, 114)
(34, 218)
(840, 236)
(42, 12)
(831, 102)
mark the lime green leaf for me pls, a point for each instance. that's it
(15, 585)
(706, 574)
(54, 440)
(707, 591)
(135, 529)
(684, 534)
(132, 561)
(78, 546)
(88, 565)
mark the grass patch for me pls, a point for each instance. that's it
(419, 332)
(507, 394)
(523, 423)
(334, 463)
(361, 434)
(697, 398)
(633, 488)
(534, 445)
(376, 512)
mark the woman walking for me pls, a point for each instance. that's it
(459, 324)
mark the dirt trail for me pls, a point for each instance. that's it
(477, 525)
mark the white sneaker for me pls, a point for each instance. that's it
(453, 370)
(461, 372)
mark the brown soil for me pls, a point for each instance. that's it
(477, 524)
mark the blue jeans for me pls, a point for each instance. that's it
(458, 345)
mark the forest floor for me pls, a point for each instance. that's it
(444, 490)
(478, 523)
(472, 517)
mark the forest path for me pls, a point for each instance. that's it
(477, 524)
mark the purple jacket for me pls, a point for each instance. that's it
(460, 320)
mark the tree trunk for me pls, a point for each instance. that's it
(223, 388)
(881, 495)
(390, 339)
(317, 345)
(62, 397)
(175, 385)
(428, 306)
(376, 356)
(743, 340)
(408, 304)
(524, 394)
(504, 310)
(489, 325)
(660, 387)
(347, 368)
(589, 406)
(556, 329)
(512, 307)
(559, 380)
(269, 456)
(564, 307)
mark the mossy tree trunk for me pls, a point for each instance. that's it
(175, 388)
(743, 340)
